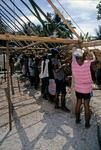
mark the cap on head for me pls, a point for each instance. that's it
(78, 53)
(54, 51)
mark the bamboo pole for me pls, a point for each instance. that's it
(8, 88)
(9, 108)
(11, 78)
(91, 43)
(4, 67)
(18, 85)
(37, 38)
(12, 87)
(49, 40)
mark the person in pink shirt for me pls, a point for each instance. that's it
(82, 82)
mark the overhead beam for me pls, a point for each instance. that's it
(62, 17)
(36, 38)
(20, 48)
(28, 46)
(48, 40)
(91, 43)
(3, 48)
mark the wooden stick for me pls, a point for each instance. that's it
(18, 85)
(8, 88)
(9, 108)
(12, 88)
(91, 43)
(11, 78)
(4, 67)
(36, 38)
(49, 40)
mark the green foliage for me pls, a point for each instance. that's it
(56, 19)
(85, 37)
(49, 28)
(3, 27)
(56, 25)
(99, 11)
(98, 33)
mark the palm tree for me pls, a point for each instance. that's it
(3, 27)
(98, 33)
(57, 26)
(99, 10)
(51, 24)
(85, 37)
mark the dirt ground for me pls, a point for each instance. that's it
(38, 126)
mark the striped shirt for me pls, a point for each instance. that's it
(82, 76)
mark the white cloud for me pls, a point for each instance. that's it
(89, 27)
(81, 8)
(85, 4)
(84, 13)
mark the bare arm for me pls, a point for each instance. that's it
(91, 56)
(73, 58)
(61, 67)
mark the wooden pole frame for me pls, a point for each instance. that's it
(8, 37)
(18, 85)
(12, 87)
(37, 38)
(4, 66)
(8, 88)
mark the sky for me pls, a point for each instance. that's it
(84, 12)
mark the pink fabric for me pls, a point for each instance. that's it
(52, 87)
(82, 77)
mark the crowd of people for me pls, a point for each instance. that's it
(53, 72)
(50, 72)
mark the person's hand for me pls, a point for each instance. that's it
(73, 49)
(63, 65)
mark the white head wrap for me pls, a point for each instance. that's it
(78, 53)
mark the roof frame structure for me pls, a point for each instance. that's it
(37, 7)
(9, 37)
(42, 40)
